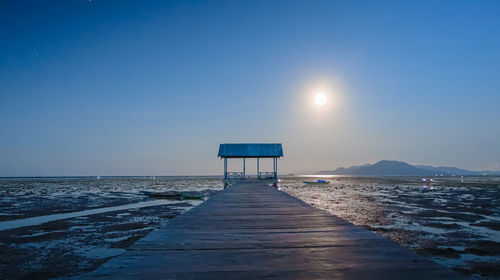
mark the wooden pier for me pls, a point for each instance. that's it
(251, 230)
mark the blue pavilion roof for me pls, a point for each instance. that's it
(250, 150)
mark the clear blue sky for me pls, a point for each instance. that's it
(133, 88)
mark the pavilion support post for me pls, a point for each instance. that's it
(276, 175)
(225, 173)
(258, 173)
(225, 168)
(244, 168)
(274, 167)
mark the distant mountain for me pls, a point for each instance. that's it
(399, 168)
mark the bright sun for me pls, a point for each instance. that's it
(320, 99)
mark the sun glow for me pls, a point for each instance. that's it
(320, 99)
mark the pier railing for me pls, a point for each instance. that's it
(242, 176)
(235, 175)
(266, 175)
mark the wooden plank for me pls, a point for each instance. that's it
(251, 230)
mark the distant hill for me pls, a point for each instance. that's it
(450, 170)
(399, 168)
(457, 171)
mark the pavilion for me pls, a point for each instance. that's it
(251, 150)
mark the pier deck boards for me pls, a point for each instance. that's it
(253, 231)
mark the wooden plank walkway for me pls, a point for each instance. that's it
(253, 231)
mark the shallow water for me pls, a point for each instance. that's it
(56, 227)
(455, 221)
(452, 222)
(31, 197)
(54, 217)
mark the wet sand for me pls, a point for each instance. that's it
(452, 222)
(79, 244)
